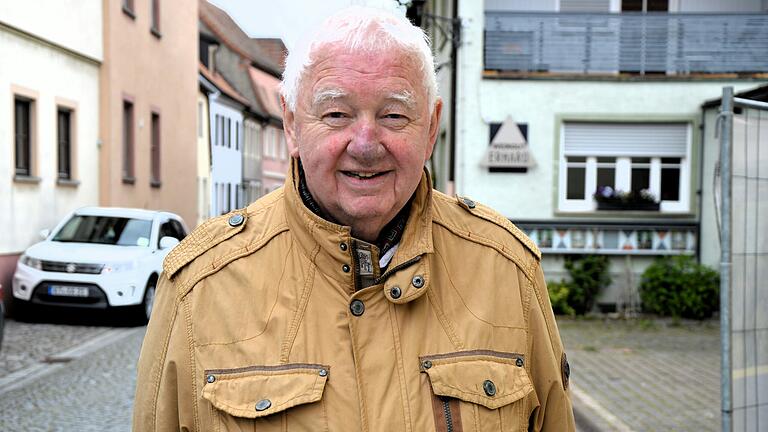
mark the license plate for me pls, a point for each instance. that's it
(67, 291)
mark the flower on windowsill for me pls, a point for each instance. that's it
(609, 195)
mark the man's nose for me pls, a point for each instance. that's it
(365, 143)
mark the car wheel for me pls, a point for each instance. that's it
(148, 301)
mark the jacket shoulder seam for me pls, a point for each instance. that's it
(483, 212)
(187, 284)
(499, 247)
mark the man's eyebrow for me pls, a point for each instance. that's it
(405, 97)
(327, 94)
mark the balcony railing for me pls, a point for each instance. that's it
(653, 43)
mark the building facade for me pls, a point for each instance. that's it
(49, 116)
(148, 95)
(580, 120)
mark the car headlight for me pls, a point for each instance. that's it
(31, 262)
(118, 267)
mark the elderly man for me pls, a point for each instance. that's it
(355, 298)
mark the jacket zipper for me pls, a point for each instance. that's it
(386, 274)
(447, 414)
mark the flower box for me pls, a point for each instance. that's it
(618, 205)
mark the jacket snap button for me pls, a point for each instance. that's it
(469, 203)
(519, 362)
(210, 378)
(343, 246)
(323, 372)
(395, 292)
(418, 281)
(426, 364)
(236, 220)
(357, 307)
(345, 268)
(489, 387)
(263, 404)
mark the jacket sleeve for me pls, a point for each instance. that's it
(550, 380)
(164, 384)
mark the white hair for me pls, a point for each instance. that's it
(359, 29)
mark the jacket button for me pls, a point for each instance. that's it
(345, 268)
(210, 378)
(395, 292)
(469, 203)
(263, 404)
(343, 246)
(323, 372)
(418, 281)
(519, 362)
(489, 387)
(236, 220)
(426, 364)
(357, 307)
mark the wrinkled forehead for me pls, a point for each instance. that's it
(337, 63)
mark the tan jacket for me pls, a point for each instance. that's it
(257, 327)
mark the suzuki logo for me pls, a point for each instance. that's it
(71, 268)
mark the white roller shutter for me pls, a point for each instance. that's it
(625, 139)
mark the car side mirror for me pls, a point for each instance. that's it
(45, 233)
(168, 242)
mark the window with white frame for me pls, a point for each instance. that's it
(652, 159)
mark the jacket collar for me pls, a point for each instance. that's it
(322, 241)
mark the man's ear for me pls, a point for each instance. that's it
(289, 122)
(434, 127)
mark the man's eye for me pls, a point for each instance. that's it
(335, 115)
(395, 120)
(335, 118)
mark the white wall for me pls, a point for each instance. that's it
(74, 24)
(51, 74)
(226, 163)
(720, 6)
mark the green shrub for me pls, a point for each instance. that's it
(680, 287)
(558, 296)
(589, 274)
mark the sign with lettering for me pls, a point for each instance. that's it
(509, 148)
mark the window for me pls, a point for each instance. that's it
(128, 8)
(155, 151)
(172, 228)
(643, 158)
(128, 144)
(64, 143)
(155, 29)
(228, 133)
(23, 136)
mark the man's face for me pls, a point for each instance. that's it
(363, 131)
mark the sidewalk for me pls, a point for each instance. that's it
(644, 375)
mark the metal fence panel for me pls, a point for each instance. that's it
(599, 43)
(747, 283)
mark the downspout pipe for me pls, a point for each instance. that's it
(726, 138)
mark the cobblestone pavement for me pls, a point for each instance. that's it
(25, 343)
(90, 393)
(645, 375)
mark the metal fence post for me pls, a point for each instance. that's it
(726, 136)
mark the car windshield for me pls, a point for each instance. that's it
(109, 230)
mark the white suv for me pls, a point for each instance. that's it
(98, 257)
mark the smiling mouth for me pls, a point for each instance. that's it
(363, 175)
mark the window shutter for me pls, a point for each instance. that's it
(625, 139)
(585, 5)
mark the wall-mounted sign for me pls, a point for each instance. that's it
(509, 148)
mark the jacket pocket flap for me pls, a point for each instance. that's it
(491, 380)
(259, 391)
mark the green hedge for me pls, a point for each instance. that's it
(680, 287)
(588, 275)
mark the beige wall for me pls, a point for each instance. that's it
(159, 74)
(203, 160)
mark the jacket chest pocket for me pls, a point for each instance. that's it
(478, 391)
(267, 398)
